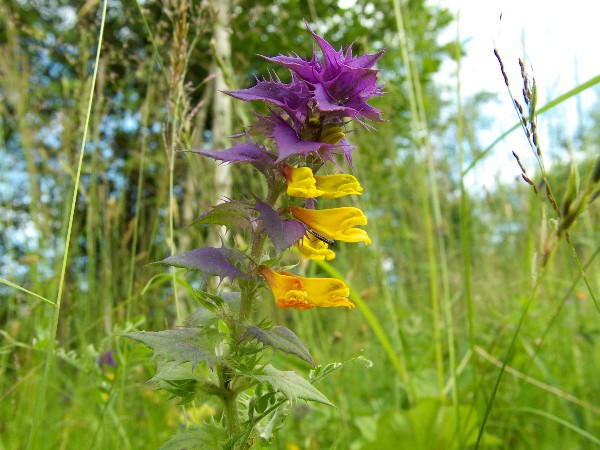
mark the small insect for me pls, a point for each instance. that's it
(321, 238)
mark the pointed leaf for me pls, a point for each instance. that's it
(228, 304)
(283, 233)
(293, 98)
(241, 152)
(292, 385)
(210, 261)
(232, 214)
(289, 143)
(186, 344)
(280, 338)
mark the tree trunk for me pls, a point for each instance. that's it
(221, 128)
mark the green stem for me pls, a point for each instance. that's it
(41, 395)
(510, 350)
(231, 413)
(228, 396)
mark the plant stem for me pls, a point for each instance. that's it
(229, 396)
(41, 395)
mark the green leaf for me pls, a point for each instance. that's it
(280, 338)
(182, 380)
(224, 307)
(232, 214)
(292, 385)
(186, 344)
(206, 436)
(170, 371)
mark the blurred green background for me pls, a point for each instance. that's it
(441, 291)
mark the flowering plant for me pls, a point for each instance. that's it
(304, 132)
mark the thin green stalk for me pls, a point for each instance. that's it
(551, 104)
(464, 215)
(504, 363)
(138, 203)
(16, 286)
(566, 297)
(152, 41)
(172, 200)
(581, 271)
(41, 395)
(509, 352)
(389, 349)
(560, 421)
(419, 123)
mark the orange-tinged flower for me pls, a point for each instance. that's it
(291, 291)
(303, 183)
(336, 223)
(313, 248)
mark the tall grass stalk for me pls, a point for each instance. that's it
(432, 213)
(464, 214)
(138, 199)
(589, 436)
(398, 363)
(547, 107)
(41, 394)
(509, 352)
(431, 257)
(16, 286)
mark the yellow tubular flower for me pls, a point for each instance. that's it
(313, 248)
(335, 223)
(334, 186)
(303, 183)
(291, 291)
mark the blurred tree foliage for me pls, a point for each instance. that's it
(48, 49)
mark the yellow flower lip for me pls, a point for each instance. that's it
(335, 223)
(311, 247)
(338, 185)
(303, 183)
(291, 291)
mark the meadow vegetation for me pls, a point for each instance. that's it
(477, 314)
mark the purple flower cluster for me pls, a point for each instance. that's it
(304, 128)
(310, 112)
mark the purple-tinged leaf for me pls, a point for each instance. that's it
(241, 152)
(182, 345)
(347, 148)
(280, 338)
(304, 69)
(289, 143)
(342, 105)
(293, 98)
(232, 214)
(333, 60)
(340, 84)
(283, 233)
(210, 261)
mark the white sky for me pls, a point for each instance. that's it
(559, 39)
